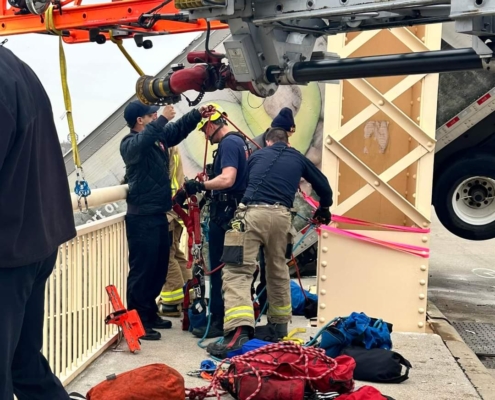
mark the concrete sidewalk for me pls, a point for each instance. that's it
(435, 374)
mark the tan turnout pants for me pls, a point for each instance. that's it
(177, 274)
(269, 226)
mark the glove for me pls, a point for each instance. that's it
(180, 197)
(323, 215)
(193, 186)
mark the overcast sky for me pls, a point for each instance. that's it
(100, 77)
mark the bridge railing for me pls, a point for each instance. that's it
(76, 301)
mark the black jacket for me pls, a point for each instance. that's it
(35, 207)
(274, 175)
(147, 163)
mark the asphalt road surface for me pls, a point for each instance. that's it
(462, 276)
(462, 279)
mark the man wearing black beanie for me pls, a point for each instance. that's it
(284, 120)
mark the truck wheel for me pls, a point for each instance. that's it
(465, 197)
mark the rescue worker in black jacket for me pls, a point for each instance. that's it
(264, 218)
(227, 186)
(146, 156)
(284, 120)
(36, 217)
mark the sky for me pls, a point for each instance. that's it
(100, 77)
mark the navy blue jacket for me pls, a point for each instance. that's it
(274, 175)
(147, 163)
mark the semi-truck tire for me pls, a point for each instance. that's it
(464, 197)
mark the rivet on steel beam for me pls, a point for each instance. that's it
(423, 39)
(420, 324)
(323, 292)
(329, 141)
(380, 102)
(376, 183)
(323, 277)
(422, 282)
(322, 305)
(322, 319)
(325, 235)
(429, 144)
(406, 192)
(424, 239)
(418, 99)
(425, 224)
(341, 117)
(421, 296)
(410, 139)
(404, 222)
(414, 176)
(324, 249)
(338, 193)
(414, 195)
(412, 102)
(324, 263)
(418, 119)
(421, 310)
(423, 268)
(407, 173)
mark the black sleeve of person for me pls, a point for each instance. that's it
(176, 132)
(319, 182)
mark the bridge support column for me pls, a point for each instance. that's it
(379, 141)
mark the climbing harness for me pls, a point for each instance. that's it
(81, 188)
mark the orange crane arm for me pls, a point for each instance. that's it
(77, 20)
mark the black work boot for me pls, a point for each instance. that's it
(168, 310)
(161, 323)
(215, 330)
(280, 329)
(234, 340)
(150, 334)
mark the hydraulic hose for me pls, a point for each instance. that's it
(388, 65)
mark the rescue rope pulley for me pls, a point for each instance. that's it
(81, 188)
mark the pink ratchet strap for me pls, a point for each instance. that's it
(405, 248)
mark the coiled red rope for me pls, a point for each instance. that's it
(306, 354)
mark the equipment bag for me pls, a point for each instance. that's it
(364, 393)
(283, 371)
(359, 330)
(378, 365)
(154, 381)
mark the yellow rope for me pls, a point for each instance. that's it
(120, 45)
(50, 26)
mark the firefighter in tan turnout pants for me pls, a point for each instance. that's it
(264, 219)
(172, 295)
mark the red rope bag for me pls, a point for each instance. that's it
(281, 371)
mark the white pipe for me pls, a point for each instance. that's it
(100, 197)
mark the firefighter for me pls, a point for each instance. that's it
(145, 154)
(264, 218)
(284, 120)
(228, 184)
(172, 294)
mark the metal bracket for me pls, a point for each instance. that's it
(481, 48)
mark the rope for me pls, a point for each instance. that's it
(120, 45)
(81, 185)
(306, 356)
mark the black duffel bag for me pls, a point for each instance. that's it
(378, 365)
